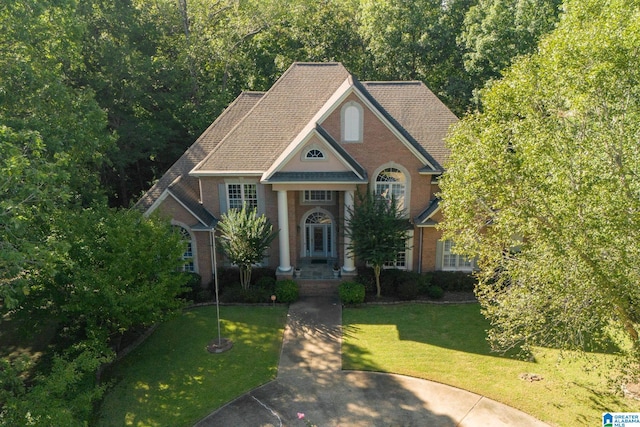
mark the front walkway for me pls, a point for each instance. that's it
(311, 381)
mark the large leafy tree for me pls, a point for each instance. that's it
(52, 136)
(378, 231)
(543, 186)
(495, 32)
(417, 40)
(244, 238)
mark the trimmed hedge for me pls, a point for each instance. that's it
(287, 291)
(351, 292)
(455, 281)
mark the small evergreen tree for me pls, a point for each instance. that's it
(377, 229)
(244, 238)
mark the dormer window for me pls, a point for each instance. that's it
(352, 123)
(314, 154)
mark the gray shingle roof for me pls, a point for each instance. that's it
(342, 177)
(257, 141)
(178, 174)
(418, 111)
(424, 217)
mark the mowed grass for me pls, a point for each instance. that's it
(446, 343)
(172, 380)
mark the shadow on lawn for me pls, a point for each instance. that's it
(459, 327)
(311, 382)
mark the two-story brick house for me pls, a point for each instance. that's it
(298, 153)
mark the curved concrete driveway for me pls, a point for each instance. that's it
(311, 381)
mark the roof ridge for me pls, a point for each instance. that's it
(393, 82)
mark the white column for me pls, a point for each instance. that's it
(283, 233)
(349, 263)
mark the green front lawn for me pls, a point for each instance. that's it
(171, 379)
(446, 343)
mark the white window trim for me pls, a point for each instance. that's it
(306, 152)
(408, 255)
(331, 201)
(407, 185)
(194, 247)
(460, 259)
(343, 122)
(242, 191)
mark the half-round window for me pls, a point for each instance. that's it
(314, 154)
(392, 183)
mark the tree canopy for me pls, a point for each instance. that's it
(244, 238)
(543, 185)
(377, 229)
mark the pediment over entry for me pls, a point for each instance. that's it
(317, 159)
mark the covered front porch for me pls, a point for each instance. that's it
(311, 221)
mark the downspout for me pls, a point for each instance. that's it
(420, 250)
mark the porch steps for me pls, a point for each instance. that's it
(311, 287)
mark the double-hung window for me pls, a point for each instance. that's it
(239, 194)
(453, 261)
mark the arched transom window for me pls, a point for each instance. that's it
(314, 154)
(392, 183)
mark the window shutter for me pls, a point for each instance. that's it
(261, 196)
(222, 195)
(439, 248)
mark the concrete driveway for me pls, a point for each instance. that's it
(311, 381)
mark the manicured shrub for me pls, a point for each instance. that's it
(455, 281)
(259, 273)
(205, 295)
(408, 289)
(435, 292)
(367, 278)
(286, 291)
(235, 293)
(424, 283)
(267, 283)
(351, 292)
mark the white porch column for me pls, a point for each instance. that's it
(349, 263)
(283, 233)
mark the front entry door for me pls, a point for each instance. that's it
(318, 235)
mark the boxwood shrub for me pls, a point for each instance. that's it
(351, 292)
(287, 291)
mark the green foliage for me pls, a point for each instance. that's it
(287, 291)
(495, 32)
(435, 292)
(193, 286)
(252, 295)
(63, 396)
(552, 165)
(408, 289)
(244, 239)
(455, 281)
(378, 231)
(416, 40)
(351, 292)
(121, 270)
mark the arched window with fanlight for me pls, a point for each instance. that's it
(391, 183)
(188, 255)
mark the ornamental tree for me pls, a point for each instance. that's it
(378, 231)
(543, 186)
(244, 238)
